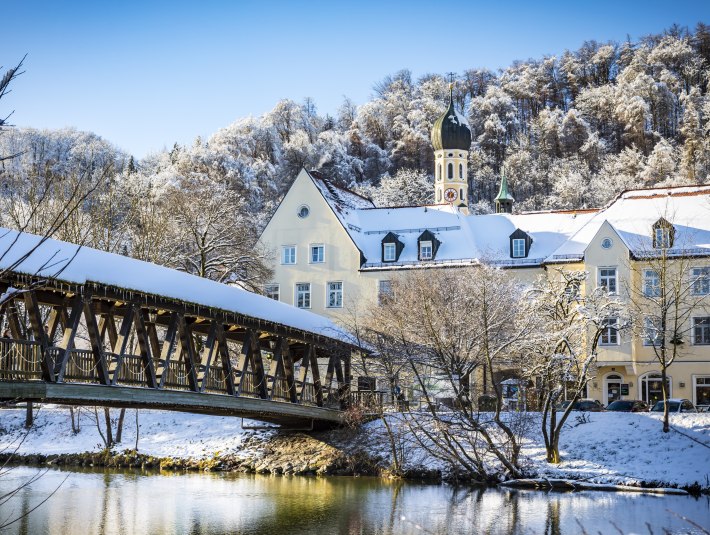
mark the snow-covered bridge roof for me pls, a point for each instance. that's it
(70, 263)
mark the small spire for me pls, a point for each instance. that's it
(504, 200)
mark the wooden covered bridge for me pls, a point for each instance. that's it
(85, 327)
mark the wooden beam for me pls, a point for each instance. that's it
(206, 357)
(97, 346)
(188, 352)
(315, 371)
(55, 317)
(154, 340)
(259, 375)
(303, 373)
(244, 360)
(227, 370)
(288, 371)
(144, 346)
(167, 350)
(276, 368)
(35, 315)
(67, 343)
(119, 347)
(13, 320)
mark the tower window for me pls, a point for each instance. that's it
(461, 194)
(450, 171)
(460, 170)
(438, 172)
(438, 196)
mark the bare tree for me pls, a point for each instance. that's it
(457, 329)
(561, 354)
(213, 237)
(667, 289)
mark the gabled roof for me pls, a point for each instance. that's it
(557, 236)
(633, 213)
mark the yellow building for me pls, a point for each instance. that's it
(334, 251)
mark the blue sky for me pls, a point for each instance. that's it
(146, 74)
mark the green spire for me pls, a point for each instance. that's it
(504, 194)
(504, 201)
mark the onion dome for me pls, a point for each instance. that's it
(451, 130)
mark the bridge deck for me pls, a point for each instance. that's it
(284, 413)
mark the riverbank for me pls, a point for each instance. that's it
(602, 448)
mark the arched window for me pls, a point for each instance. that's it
(438, 172)
(450, 171)
(460, 170)
(651, 387)
(461, 194)
(438, 196)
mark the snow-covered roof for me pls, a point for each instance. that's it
(557, 236)
(74, 264)
(633, 213)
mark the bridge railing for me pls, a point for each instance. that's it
(20, 360)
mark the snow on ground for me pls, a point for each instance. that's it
(600, 447)
(630, 447)
(162, 433)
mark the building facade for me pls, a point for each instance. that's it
(335, 252)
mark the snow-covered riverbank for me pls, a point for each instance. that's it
(601, 448)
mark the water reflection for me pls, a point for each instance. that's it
(97, 502)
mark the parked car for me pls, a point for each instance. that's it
(675, 405)
(628, 405)
(588, 405)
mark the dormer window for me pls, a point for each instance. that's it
(391, 247)
(663, 234)
(425, 250)
(390, 252)
(428, 245)
(520, 243)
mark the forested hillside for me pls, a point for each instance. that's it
(570, 130)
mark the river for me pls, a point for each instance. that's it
(127, 502)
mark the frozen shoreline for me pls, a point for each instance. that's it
(605, 448)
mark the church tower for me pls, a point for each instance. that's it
(451, 138)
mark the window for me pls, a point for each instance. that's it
(461, 194)
(607, 279)
(425, 250)
(272, 291)
(651, 331)
(384, 291)
(438, 172)
(288, 254)
(610, 332)
(701, 331)
(390, 252)
(303, 211)
(335, 295)
(450, 171)
(607, 243)
(317, 254)
(518, 248)
(460, 170)
(700, 280)
(651, 283)
(662, 238)
(438, 196)
(303, 295)
(701, 390)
